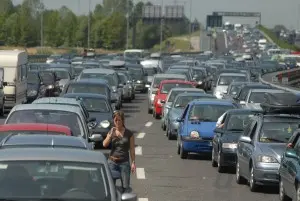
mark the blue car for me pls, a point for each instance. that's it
(197, 124)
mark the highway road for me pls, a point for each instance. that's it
(208, 44)
(162, 175)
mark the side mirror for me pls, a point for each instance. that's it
(96, 138)
(290, 153)
(129, 197)
(179, 119)
(245, 139)
(219, 130)
(242, 102)
(4, 84)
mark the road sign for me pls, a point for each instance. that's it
(285, 80)
(238, 14)
(152, 12)
(174, 12)
(214, 21)
(275, 79)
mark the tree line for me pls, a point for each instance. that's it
(20, 25)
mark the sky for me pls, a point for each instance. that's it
(274, 12)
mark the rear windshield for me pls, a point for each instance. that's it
(158, 80)
(166, 88)
(87, 88)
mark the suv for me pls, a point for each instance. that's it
(260, 148)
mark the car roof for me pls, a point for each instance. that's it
(165, 75)
(35, 127)
(211, 102)
(233, 74)
(99, 70)
(84, 95)
(268, 90)
(50, 154)
(41, 106)
(186, 89)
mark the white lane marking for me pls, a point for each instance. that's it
(141, 135)
(148, 124)
(138, 150)
(143, 199)
(226, 42)
(140, 173)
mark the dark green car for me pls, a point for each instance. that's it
(289, 171)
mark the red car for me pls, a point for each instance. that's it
(34, 128)
(162, 93)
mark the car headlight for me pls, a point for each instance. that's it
(200, 82)
(229, 145)
(104, 124)
(31, 93)
(114, 89)
(266, 159)
(194, 134)
(138, 81)
(50, 86)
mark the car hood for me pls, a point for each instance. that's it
(205, 129)
(101, 116)
(149, 79)
(272, 149)
(231, 137)
(254, 106)
(63, 82)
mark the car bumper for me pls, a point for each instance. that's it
(173, 128)
(267, 176)
(158, 110)
(228, 158)
(197, 146)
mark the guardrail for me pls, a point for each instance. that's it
(283, 80)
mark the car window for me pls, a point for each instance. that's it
(238, 122)
(227, 80)
(64, 118)
(33, 78)
(24, 179)
(256, 97)
(95, 105)
(87, 88)
(209, 113)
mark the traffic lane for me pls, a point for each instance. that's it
(170, 178)
(205, 41)
(220, 46)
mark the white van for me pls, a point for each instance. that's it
(262, 43)
(14, 63)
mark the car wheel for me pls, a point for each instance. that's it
(213, 161)
(169, 135)
(220, 167)
(239, 179)
(252, 182)
(163, 126)
(282, 195)
(178, 147)
(183, 153)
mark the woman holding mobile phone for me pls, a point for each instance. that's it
(122, 154)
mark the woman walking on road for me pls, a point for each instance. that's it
(122, 144)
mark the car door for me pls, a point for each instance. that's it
(217, 136)
(183, 123)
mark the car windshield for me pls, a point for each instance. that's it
(151, 71)
(47, 77)
(277, 132)
(62, 74)
(208, 113)
(123, 78)
(53, 180)
(227, 80)
(234, 89)
(95, 105)
(106, 77)
(178, 72)
(244, 92)
(64, 118)
(33, 78)
(136, 73)
(87, 88)
(182, 101)
(238, 122)
(257, 97)
(166, 88)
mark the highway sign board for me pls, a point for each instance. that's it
(238, 14)
(152, 12)
(285, 80)
(174, 12)
(275, 79)
(214, 21)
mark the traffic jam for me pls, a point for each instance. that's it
(61, 111)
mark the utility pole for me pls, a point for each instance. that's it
(191, 4)
(161, 25)
(89, 23)
(42, 22)
(127, 29)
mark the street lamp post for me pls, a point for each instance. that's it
(42, 22)
(161, 26)
(191, 3)
(127, 28)
(89, 23)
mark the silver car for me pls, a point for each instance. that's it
(127, 88)
(171, 97)
(256, 96)
(155, 84)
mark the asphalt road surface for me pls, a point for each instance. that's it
(162, 175)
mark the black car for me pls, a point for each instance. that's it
(49, 84)
(202, 77)
(226, 137)
(138, 74)
(34, 85)
(98, 107)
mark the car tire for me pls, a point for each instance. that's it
(238, 178)
(252, 183)
(220, 167)
(163, 126)
(150, 111)
(213, 161)
(282, 195)
(183, 153)
(178, 147)
(169, 135)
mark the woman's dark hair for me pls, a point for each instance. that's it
(121, 115)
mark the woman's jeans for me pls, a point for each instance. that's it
(124, 169)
